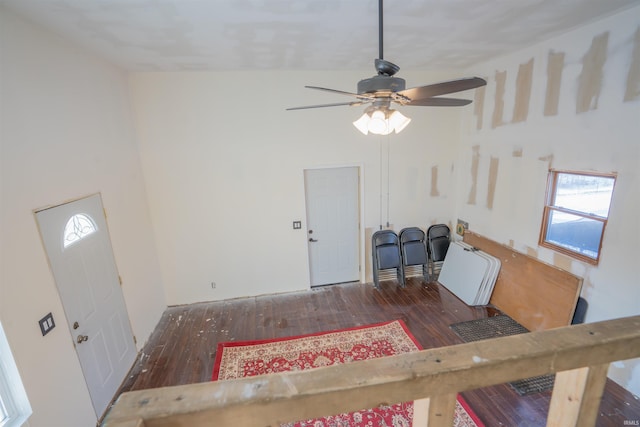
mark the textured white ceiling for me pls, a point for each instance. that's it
(307, 34)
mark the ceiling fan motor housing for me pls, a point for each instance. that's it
(381, 84)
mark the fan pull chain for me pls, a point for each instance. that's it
(381, 199)
(388, 176)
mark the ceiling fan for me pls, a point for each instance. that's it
(383, 89)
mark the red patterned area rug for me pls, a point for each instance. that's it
(249, 358)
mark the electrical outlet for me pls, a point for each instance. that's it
(213, 285)
(297, 225)
(46, 324)
(461, 227)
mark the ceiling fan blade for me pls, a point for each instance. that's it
(439, 102)
(350, 104)
(442, 88)
(340, 92)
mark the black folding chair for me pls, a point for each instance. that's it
(438, 239)
(414, 250)
(386, 255)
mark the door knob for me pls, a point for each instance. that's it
(82, 338)
(311, 239)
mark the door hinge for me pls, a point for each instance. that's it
(120, 279)
(104, 210)
(135, 340)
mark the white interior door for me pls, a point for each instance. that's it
(332, 197)
(78, 246)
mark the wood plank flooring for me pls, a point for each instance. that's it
(182, 348)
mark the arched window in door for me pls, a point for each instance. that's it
(78, 227)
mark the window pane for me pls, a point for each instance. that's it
(584, 193)
(4, 394)
(575, 233)
(78, 227)
(14, 404)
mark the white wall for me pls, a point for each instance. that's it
(222, 171)
(66, 132)
(604, 139)
(223, 164)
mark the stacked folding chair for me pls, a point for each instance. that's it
(438, 239)
(414, 253)
(406, 254)
(385, 245)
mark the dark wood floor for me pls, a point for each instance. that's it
(182, 348)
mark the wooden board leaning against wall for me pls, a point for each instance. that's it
(537, 295)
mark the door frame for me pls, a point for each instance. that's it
(361, 204)
(53, 277)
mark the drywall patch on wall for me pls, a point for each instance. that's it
(555, 65)
(478, 105)
(493, 178)
(517, 152)
(633, 78)
(590, 80)
(434, 182)
(548, 159)
(562, 261)
(532, 252)
(524, 81)
(475, 162)
(498, 105)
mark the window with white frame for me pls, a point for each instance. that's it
(4, 414)
(576, 213)
(14, 405)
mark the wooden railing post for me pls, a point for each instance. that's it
(420, 413)
(438, 411)
(575, 400)
(442, 410)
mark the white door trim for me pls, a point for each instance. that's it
(361, 195)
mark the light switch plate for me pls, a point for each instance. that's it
(46, 324)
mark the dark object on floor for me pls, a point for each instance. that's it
(533, 384)
(581, 311)
(502, 326)
(490, 327)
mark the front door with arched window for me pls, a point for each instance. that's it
(78, 246)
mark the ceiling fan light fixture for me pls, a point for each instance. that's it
(398, 121)
(384, 89)
(381, 122)
(362, 124)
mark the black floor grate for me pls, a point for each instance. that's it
(502, 326)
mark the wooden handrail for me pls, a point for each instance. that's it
(579, 354)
